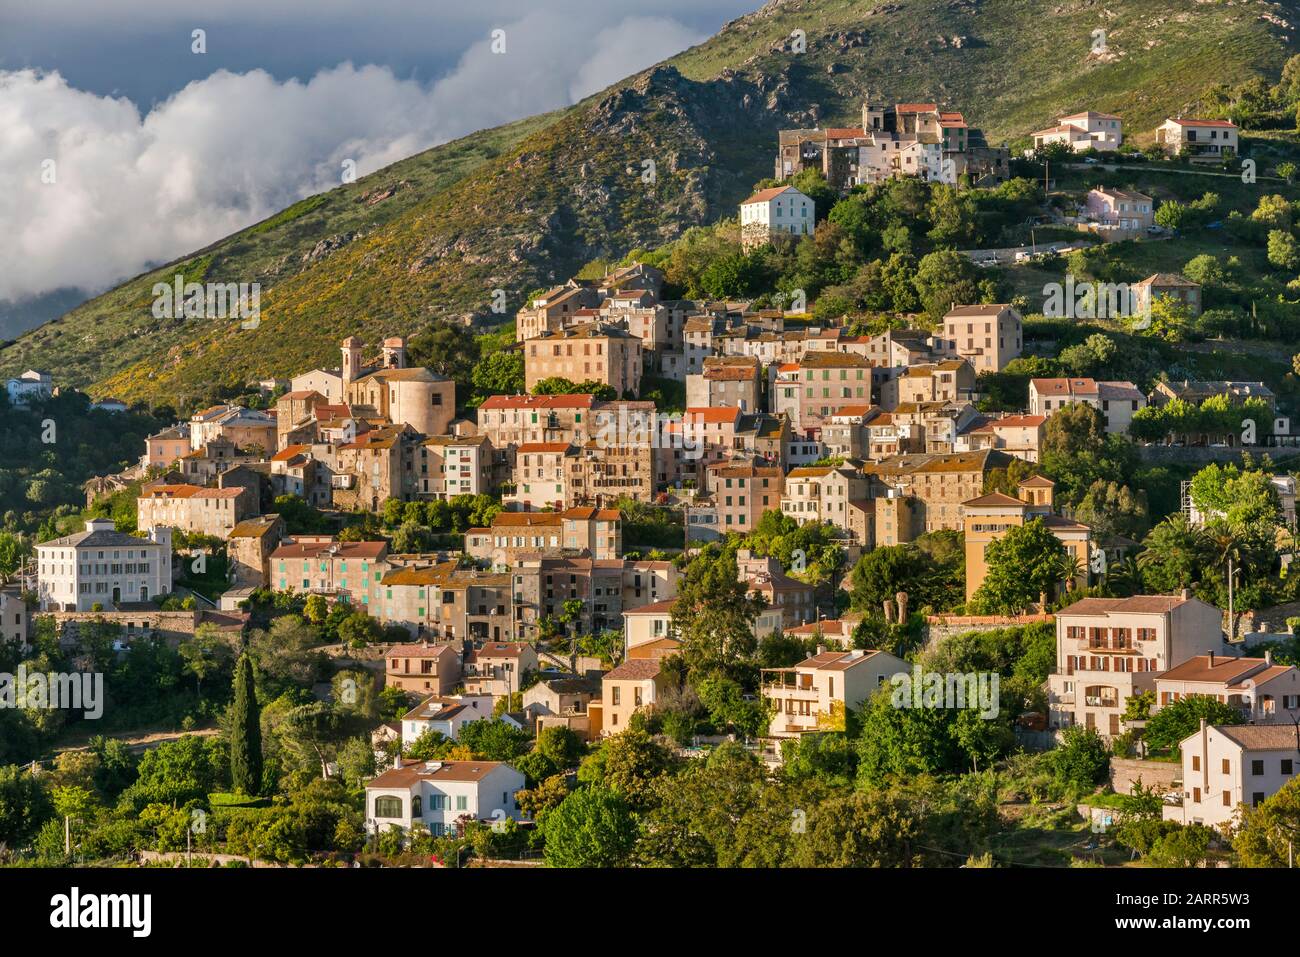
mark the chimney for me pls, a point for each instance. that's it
(821, 649)
(1211, 659)
(1268, 658)
(1202, 726)
(397, 759)
(1185, 594)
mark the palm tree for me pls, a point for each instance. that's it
(1069, 570)
(1125, 577)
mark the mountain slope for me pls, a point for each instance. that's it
(527, 204)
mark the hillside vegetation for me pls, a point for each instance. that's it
(528, 204)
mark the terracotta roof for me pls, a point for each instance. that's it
(1018, 421)
(525, 519)
(837, 660)
(635, 669)
(409, 774)
(765, 195)
(1137, 605)
(1090, 115)
(1261, 737)
(1224, 124)
(590, 513)
(658, 608)
(501, 649)
(1224, 669)
(289, 452)
(709, 415)
(992, 499)
(423, 649)
(368, 550)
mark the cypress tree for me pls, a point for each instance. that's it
(245, 732)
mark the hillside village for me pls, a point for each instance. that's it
(738, 524)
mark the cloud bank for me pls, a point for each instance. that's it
(102, 190)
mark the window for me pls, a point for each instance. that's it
(388, 807)
(417, 806)
(1256, 768)
(1227, 799)
(462, 802)
(616, 695)
(1227, 765)
(1287, 766)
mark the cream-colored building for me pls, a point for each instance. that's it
(512, 420)
(541, 475)
(1203, 140)
(987, 519)
(203, 511)
(592, 352)
(554, 310)
(815, 694)
(427, 667)
(823, 493)
(986, 336)
(451, 465)
(819, 385)
(633, 686)
(441, 795)
(386, 388)
(1018, 435)
(102, 566)
(1117, 402)
(1227, 766)
(1264, 692)
(1084, 131)
(1109, 649)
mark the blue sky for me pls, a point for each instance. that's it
(132, 149)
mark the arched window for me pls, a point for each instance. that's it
(417, 806)
(390, 807)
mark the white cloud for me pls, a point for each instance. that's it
(231, 149)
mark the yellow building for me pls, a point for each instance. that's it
(987, 518)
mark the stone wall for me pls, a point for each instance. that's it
(939, 627)
(1125, 772)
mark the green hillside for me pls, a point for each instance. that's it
(527, 204)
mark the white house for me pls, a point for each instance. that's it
(782, 209)
(1204, 140)
(438, 794)
(446, 714)
(1225, 766)
(28, 386)
(1083, 131)
(103, 566)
